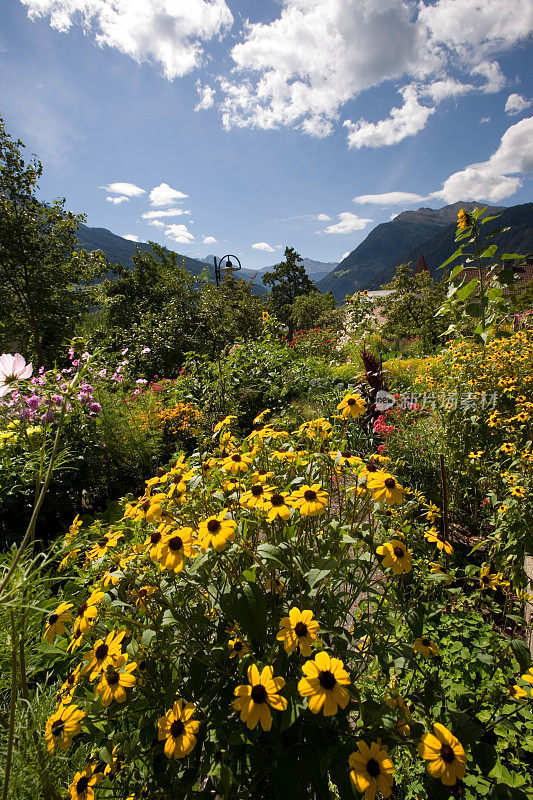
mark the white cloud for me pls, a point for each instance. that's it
(516, 104)
(491, 71)
(442, 89)
(209, 240)
(491, 180)
(171, 212)
(207, 97)
(348, 223)
(170, 32)
(389, 199)
(128, 189)
(131, 236)
(347, 253)
(484, 120)
(165, 195)
(263, 246)
(179, 233)
(156, 223)
(393, 216)
(118, 200)
(323, 218)
(403, 122)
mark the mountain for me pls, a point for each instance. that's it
(316, 270)
(253, 275)
(118, 249)
(387, 245)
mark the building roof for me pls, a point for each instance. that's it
(421, 266)
(523, 271)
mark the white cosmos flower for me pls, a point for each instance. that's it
(12, 368)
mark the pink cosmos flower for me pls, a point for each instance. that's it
(12, 368)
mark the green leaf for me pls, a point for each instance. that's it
(415, 620)
(510, 257)
(466, 291)
(521, 653)
(269, 552)
(455, 271)
(503, 792)
(489, 251)
(485, 756)
(488, 219)
(474, 309)
(458, 252)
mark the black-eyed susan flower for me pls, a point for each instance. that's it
(371, 769)
(237, 463)
(475, 454)
(68, 687)
(275, 585)
(55, 625)
(104, 652)
(517, 491)
(276, 506)
(437, 538)
(216, 531)
(397, 556)
(518, 692)
(86, 613)
(114, 681)
(238, 647)
(255, 698)
(82, 787)
(174, 547)
(351, 406)
(70, 556)
(323, 684)
(385, 488)
(507, 447)
(491, 580)
(101, 546)
(142, 594)
(178, 730)
(299, 629)
(260, 417)
(444, 753)
(425, 647)
(147, 509)
(310, 500)
(153, 542)
(62, 726)
(262, 476)
(223, 423)
(256, 495)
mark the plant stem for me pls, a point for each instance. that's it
(12, 708)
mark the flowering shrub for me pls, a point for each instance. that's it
(315, 342)
(275, 617)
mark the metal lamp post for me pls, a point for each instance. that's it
(229, 267)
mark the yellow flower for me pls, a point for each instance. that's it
(87, 613)
(256, 496)
(174, 547)
(385, 488)
(153, 542)
(99, 549)
(490, 580)
(62, 726)
(253, 699)
(396, 555)
(66, 693)
(507, 447)
(237, 463)
(351, 406)
(275, 586)
(141, 595)
(103, 653)
(82, 787)
(299, 629)
(56, 622)
(113, 684)
(238, 647)
(310, 500)
(476, 454)
(439, 540)
(178, 730)
(372, 769)
(425, 647)
(324, 682)
(462, 220)
(148, 509)
(265, 315)
(260, 417)
(445, 754)
(517, 491)
(261, 476)
(217, 531)
(276, 506)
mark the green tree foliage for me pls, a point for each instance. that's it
(410, 310)
(288, 280)
(42, 276)
(524, 300)
(312, 310)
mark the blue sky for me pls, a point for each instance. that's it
(261, 124)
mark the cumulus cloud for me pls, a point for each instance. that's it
(118, 200)
(323, 217)
(263, 246)
(156, 223)
(389, 198)
(179, 233)
(209, 240)
(207, 97)
(447, 87)
(494, 78)
(348, 223)
(127, 189)
(168, 32)
(165, 195)
(171, 212)
(131, 236)
(516, 104)
(404, 121)
(493, 180)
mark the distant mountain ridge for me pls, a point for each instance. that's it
(316, 270)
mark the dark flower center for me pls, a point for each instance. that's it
(142, 593)
(237, 646)
(300, 629)
(101, 651)
(351, 401)
(82, 785)
(484, 580)
(390, 483)
(399, 552)
(145, 505)
(82, 609)
(176, 543)
(327, 679)
(277, 500)
(426, 642)
(372, 767)
(259, 694)
(177, 728)
(447, 753)
(160, 472)
(346, 454)
(213, 525)
(58, 727)
(103, 541)
(371, 467)
(71, 678)
(53, 619)
(310, 495)
(261, 472)
(236, 457)
(113, 678)
(178, 478)
(257, 491)
(155, 538)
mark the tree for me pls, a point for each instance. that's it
(288, 280)
(312, 310)
(42, 275)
